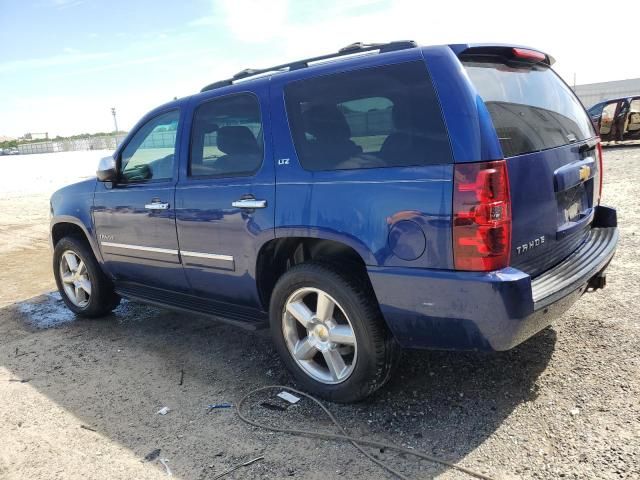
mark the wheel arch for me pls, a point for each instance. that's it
(65, 225)
(278, 255)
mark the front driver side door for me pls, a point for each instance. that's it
(607, 119)
(135, 217)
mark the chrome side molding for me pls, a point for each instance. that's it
(211, 256)
(139, 247)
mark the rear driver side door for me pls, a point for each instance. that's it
(225, 199)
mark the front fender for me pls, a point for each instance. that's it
(72, 205)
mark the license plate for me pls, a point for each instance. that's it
(572, 212)
(572, 204)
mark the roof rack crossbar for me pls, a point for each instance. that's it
(354, 48)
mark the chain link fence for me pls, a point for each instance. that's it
(107, 142)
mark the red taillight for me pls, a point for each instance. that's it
(481, 216)
(531, 55)
(600, 170)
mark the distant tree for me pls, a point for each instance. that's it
(9, 144)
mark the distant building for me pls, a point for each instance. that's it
(593, 93)
(36, 136)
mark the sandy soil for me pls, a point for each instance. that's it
(565, 404)
(25, 187)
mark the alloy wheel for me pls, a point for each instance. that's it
(319, 335)
(75, 279)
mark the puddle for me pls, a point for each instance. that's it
(49, 311)
(129, 312)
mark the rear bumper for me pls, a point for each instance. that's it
(444, 309)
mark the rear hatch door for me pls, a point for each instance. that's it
(550, 146)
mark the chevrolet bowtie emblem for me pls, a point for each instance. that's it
(585, 172)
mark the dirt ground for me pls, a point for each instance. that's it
(565, 404)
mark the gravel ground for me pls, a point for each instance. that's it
(564, 404)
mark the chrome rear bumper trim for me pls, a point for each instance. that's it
(577, 269)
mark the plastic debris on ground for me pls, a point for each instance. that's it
(233, 469)
(149, 457)
(217, 406)
(289, 397)
(164, 462)
(164, 410)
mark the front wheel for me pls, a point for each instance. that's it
(329, 332)
(84, 287)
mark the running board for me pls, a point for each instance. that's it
(247, 318)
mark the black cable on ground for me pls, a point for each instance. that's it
(345, 437)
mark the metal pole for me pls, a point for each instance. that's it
(115, 122)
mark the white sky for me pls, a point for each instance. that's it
(135, 67)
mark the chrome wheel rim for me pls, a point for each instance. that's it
(75, 279)
(319, 335)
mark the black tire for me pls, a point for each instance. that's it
(103, 298)
(377, 350)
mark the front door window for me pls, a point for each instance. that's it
(150, 154)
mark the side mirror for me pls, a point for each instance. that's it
(107, 170)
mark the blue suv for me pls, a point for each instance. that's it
(386, 196)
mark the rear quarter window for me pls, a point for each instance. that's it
(531, 108)
(371, 118)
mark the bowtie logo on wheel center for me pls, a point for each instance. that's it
(321, 332)
(319, 335)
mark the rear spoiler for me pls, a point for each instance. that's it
(508, 52)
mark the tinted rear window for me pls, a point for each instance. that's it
(531, 108)
(376, 117)
(226, 137)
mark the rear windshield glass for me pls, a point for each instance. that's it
(531, 108)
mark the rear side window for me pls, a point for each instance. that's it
(226, 137)
(376, 117)
(531, 108)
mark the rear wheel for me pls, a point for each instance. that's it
(84, 287)
(328, 330)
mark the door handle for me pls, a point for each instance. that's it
(157, 205)
(249, 203)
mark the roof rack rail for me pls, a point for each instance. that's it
(352, 49)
